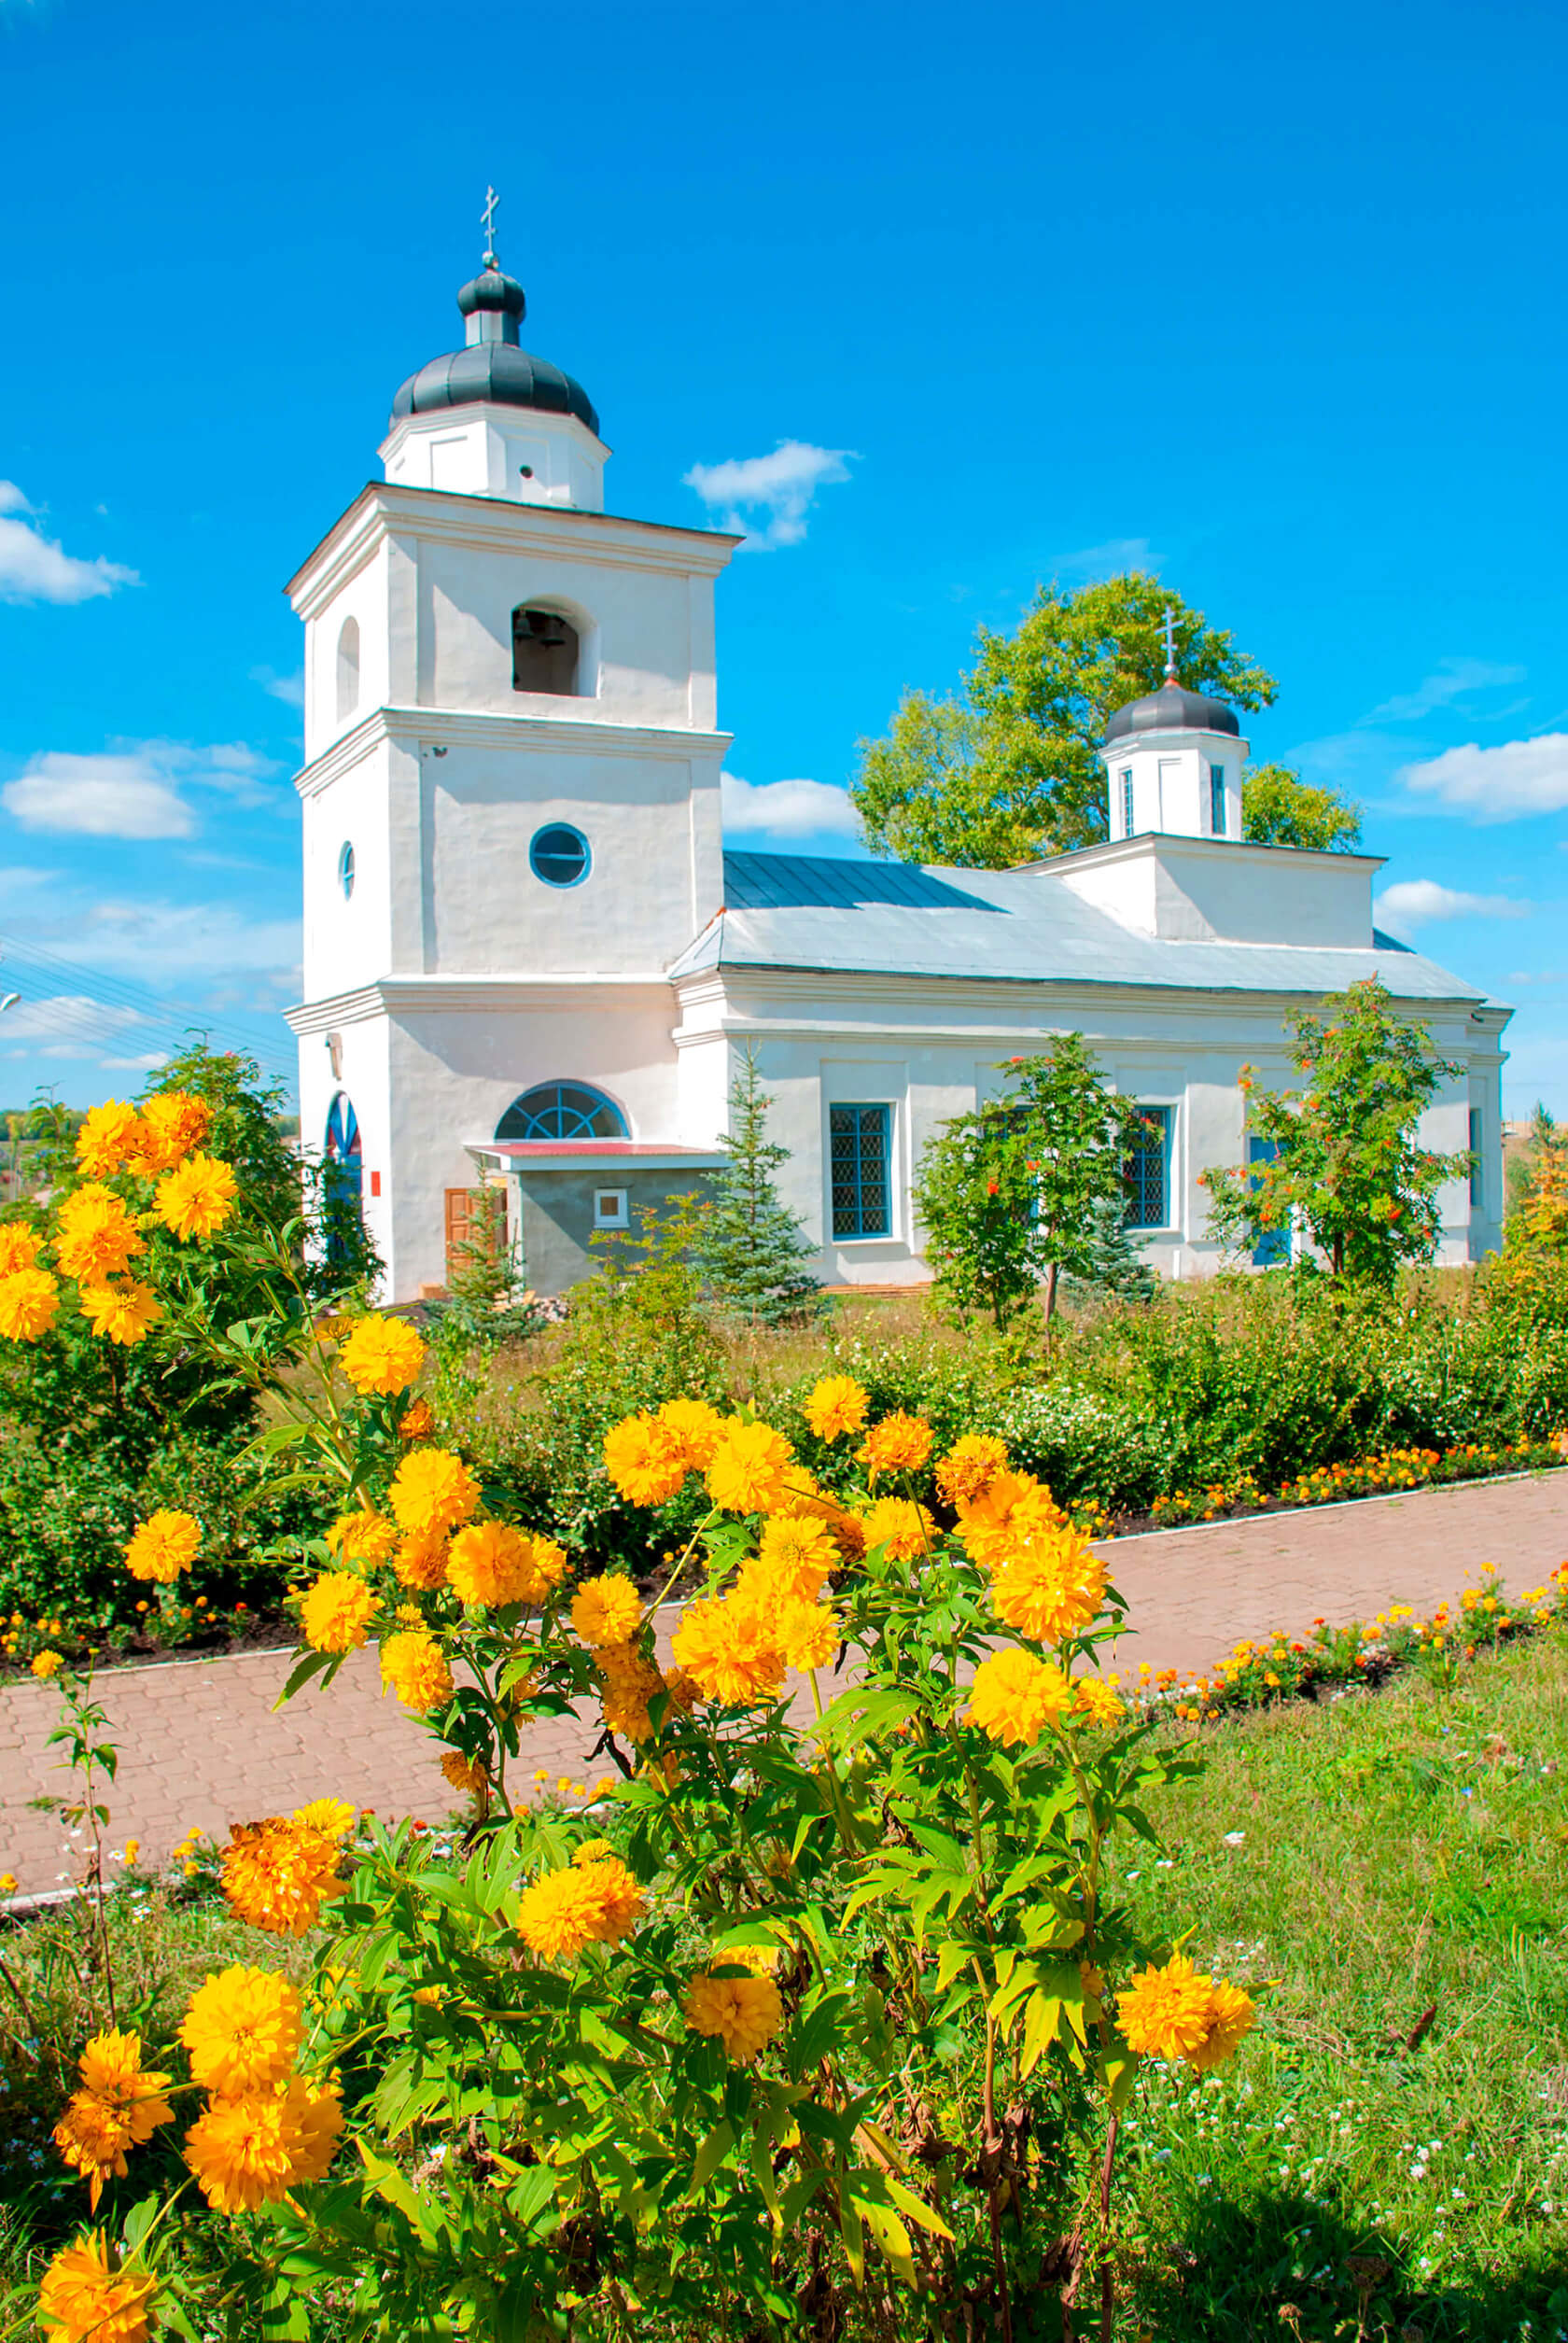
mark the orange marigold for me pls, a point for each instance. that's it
(171, 1124)
(1052, 1587)
(696, 1426)
(731, 1649)
(336, 1612)
(418, 1420)
(20, 1247)
(363, 1535)
(794, 1555)
(1014, 1694)
(900, 1525)
(413, 1666)
(84, 2297)
(646, 1459)
(837, 1405)
(432, 1490)
(1015, 1508)
(108, 1140)
(900, 1443)
(28, 1299)
(277, 1874)
(607, 1611)
(420, 1562)
(1166, 2013)
(744, 2013)
(166, 1543)
(749, 1466)
(123, 1313)
(381, 1354)
(969, 1468)
(463, 1773)
(120, 2105)
(199, 1198)
(252, 2151)
(1231, 2016)
(95, 1237)
(627, 1682)
(493, 1564)
(557, 1912)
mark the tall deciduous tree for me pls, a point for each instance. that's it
(1016, 1193)
(1280, 808)
(1346, 1170)
(750, 1250)
(1009, 770)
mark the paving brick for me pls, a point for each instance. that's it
(202, 1742)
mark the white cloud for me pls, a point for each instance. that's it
(291, 689)
(1414, 903)
(1454, 680)
(133, 791)
(786, 810)
(1109, 560)
(34, 568)
(782, 485)
(191, 945)
(1522, 777)
(73, 1025)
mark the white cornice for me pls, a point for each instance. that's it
(1148, 843)
(476, 728)
(413, 996)
(496, 524)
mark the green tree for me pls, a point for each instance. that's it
(750, 1252)
(1538, 1188)
(1009, 770)
(1016, 1194)
(1280, 808)
(1347, 1169)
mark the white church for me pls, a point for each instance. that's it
(530, 963)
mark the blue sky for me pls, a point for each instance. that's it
(950, 302)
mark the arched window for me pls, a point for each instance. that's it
(348, 668)
(544, 652)
(343, 1176)
(562, 1110)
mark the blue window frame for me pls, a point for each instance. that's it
(1148, 1171)
(343, 1176)
(559, 855)
(1216, 800)
(1273, 1248)
(860, 1149)
(1477, 1176)
(562, 1110)
(1127, 803)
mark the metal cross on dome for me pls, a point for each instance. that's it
(1169, 644)
(488, 217)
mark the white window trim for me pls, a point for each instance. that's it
(619, 1215)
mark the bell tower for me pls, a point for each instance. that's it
(1173, 762)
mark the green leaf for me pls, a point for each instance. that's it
(711, 2155)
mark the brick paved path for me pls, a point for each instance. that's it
(199, 1743)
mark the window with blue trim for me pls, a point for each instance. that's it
(562, 1110)
(859, 1148)
(1148, 1171)
(558, 855)
(1272, 1250)
(342, 1178)
(1216, 800)
(1127, 803)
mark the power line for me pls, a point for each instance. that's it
(103, 1012)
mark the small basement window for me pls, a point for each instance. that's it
(609, 1208)
(544, 652)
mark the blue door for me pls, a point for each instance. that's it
(1273, 1248)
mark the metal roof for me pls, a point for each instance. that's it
(836, 915)
(1173, 708)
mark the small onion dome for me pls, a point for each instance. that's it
(1173, 708)
(492, 368)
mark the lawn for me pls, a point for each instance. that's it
(1388, 2158)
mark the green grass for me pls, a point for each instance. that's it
(1387, 1872)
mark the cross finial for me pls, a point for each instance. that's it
(1169, 644)
(488, 218)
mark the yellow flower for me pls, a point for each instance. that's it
(123, 1313)
(198, 1199)
(132, 1848)
(8, 1883)
(279, 1872)
(808, 1633)
(607, 1611)
(418, 1422)
(420, 1562)
(557, 1911)
(120, 2105)
(28, 1299)
(900, 1443)
(383, 1354)
(463, 1773)
(172, 1123)
(731, 1649)
(616, 1901)
(363, 1535)
(20, 1247)
(1231, 2016)
(494, 1564)
(336, 1611)
(1014, 1510)
(83, 2298)
(1050, 1587)
(627, 1682)
(335, 1816)
(432, 1490)
(109, 1138)
(696, 1426)
(413, 1665)
(795, 1555)
(1013, 1694)
(243, 2030)
(166, 1543)
(969, 1468)
(95, 1237)
(1093, 1698)
(899, 1525)
(837, 1405)
(252, 2151)
(745, 2012)
(646, 1459)
(1166, 2013)
(747, 1473)
(47, 1663)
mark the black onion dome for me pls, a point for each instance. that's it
(493, 368)
(1173, 708)
(499, 372)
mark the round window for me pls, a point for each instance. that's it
(345, 869)
(559, 855)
